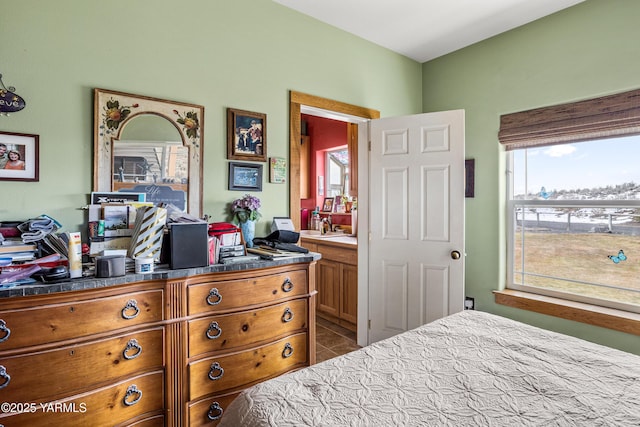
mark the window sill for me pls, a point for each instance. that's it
(618, 320)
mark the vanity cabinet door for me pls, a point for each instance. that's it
(349, 293)
(328, 283)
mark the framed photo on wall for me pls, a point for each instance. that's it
(19, 157)
(245, 177)
(277, 170)
(246, 135)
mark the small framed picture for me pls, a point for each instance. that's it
(245, 177)
(19, 157)
(327, 206)
(277, 170)
(246, 135)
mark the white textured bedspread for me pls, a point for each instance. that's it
(468, 369)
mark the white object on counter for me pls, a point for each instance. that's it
(144, 265)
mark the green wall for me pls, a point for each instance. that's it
(582, 52)
(244, 54)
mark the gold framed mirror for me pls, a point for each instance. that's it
(149, 145)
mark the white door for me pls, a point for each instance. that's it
(416, 247)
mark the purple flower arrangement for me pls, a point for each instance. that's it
(246, 208)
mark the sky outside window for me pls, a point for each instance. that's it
(591, 164)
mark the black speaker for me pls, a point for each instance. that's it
(188, 245)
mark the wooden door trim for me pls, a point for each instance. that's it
(296, 101)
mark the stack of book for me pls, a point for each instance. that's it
(18, 251)
(226, 245)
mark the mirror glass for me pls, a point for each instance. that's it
(151, 146)
(149, 157)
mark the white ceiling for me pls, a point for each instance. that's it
(426, 29)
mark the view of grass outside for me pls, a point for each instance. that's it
(579, 259)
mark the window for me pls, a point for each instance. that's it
(337, 165)
(574, 203)
(574, 227)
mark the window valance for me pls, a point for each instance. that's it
(604, 117)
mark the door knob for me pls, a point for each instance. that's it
(455, 255)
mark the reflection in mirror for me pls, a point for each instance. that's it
(149, 153)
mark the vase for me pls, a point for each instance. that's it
(248, 229)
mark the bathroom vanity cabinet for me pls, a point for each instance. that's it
(336, 278)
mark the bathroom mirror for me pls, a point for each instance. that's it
(149, 145)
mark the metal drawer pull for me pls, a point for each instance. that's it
(215, 367)
(215, 412)
(287, 316)
(132, 345)
(288, 351)
(131, 390)
(287, 286)
(131, 305)
(6, 377)
(7, 331)
(214, 292)
(213, 326)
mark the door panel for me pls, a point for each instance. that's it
(416, 220)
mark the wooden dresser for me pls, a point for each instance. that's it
(173, 351)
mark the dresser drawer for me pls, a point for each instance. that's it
(72, 368)
(57, 322)
(228, 331)
(218, 374)
(107, 406)
(207, 412)
(234, 294)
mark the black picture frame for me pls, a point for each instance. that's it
(246, 135)
(469, 177)
(25, 150)
(245, 176)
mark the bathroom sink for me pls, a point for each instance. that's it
(317, 235)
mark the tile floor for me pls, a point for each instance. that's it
(333, 340)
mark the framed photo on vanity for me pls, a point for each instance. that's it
(19, 157)
(327, 206)
(246, 135)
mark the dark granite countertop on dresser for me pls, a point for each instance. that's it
(159, 274)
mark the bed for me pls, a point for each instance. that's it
(468, 369)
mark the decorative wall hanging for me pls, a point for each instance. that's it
(469, 178)
(277, 170)
(245, 177)
(10, 102)
(19, 157)
(246, 135)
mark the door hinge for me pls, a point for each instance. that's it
(369, 324)
(369, 145)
